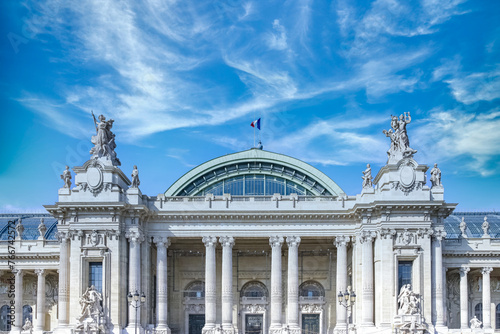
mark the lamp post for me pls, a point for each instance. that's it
(136, 300)
(347, 300)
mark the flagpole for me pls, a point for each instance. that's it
(254, 136)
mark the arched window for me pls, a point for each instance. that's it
(5, 318)
(27, 313)
(311, 289)
(478, 311)
(254, 289)
(497, 311)
(195, 289)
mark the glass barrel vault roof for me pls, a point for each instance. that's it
(254, 172)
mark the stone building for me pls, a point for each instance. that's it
(251, 242)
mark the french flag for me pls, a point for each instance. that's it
(256, 124)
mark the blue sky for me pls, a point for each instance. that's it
(184, 79)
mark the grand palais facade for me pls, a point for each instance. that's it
(250, 242)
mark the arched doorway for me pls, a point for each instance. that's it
(194, 305)
(253, 299)
(311, 301)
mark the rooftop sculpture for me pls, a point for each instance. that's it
(400, 144)
(104, 141)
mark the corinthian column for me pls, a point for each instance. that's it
(135, 239)
(63, 303)
(486, 297)
(341, 244)
(276, 292)
(367, 297)
(40, 300)
(161, 283)
(464, 299)
(18, 301)
(293, 281)
(210, 284)
(438, 272)
(227, 283)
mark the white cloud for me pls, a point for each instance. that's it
(453, 134)
(469, 88)
(277, 40)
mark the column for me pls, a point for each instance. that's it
(438, 272)
(18, 301)
(293, 281)
(210, 283)
(341, 244)
(227, 284)
(464, 298)
(161, 283)
(486, 297)
(367, 296)
(135, 239)
(63, 302)
(40, 300)
(276, 292)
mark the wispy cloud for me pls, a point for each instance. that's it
(456, 134)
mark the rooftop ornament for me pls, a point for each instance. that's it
(104, 141)
(400, 144)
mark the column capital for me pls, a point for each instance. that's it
(40, 272)
(63, 236)
(464, 271)
(209, 241)
(18, 272)
(275, 241)
(135, 236)
(486, 270)
(387, 233)
(367, 236)
(341, 240)
(439, 234)
(161, 241)
(226, 241)
(293, 241)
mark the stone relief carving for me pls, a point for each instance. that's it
(94, 238)
(400, 144)
(104, 141)
(66, 176)
(255, 308)
(195, 308)
(453, 299)
(367, 177)
(311, 308)
(387, 233)
(406, 237)
(407, 176)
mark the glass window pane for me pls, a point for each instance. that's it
(404, 273)
(95, 275)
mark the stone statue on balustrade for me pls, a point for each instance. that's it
(485, 227)
(90, 318)
(66, 176)
(408, 301)
(135, 178)
(400, 143)
(475, 323)
(436, 176)
(463, 227)
(104, 141)
(367, 177)
(42, 228)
